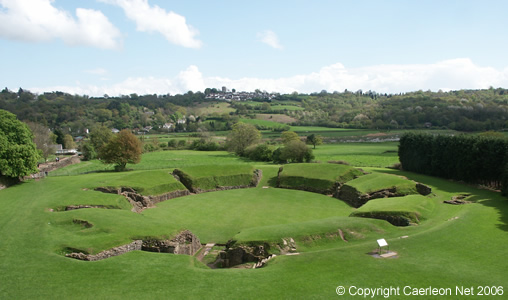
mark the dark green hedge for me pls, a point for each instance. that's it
(469, 158)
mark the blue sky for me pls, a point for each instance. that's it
(115, 47)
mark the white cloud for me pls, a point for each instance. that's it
(39, 20)
(155, 19)
(97, 71)
(454, 74)
(270, 38)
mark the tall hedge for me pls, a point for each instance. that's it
(470, 158)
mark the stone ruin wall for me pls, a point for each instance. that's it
(184, 243)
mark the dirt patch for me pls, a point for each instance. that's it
(458, 199)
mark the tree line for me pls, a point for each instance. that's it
(462, 110)
(476, 159)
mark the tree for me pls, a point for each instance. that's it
(43, 139)
(88, 151)
(242, 136)
(296, 151)
(18, 152)
(99, 136)
(314, 140)
(288, 136)
(68, 142)
(122, 149)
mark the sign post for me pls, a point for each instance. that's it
(382, 243)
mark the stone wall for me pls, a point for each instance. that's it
(238, 255)
(140, 202)
(183, 243)
(135, 245)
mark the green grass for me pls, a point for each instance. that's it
(263, 123)
(413, 207)
(159, 160)
(209, 177)
(320, 178)
(149, 183)
(379, 181)
(454, 245)
(321, 227)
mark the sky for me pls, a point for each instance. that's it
(120, 47)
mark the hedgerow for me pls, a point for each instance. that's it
(470, 158)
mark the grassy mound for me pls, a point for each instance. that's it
(217, 177)
(147, 183)
(318, 178)
(377, 185)
(399, 211)
(352, 228)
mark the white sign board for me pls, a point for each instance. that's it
(382, 243)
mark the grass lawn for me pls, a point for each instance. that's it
(264, 123)
(413, 207)
(454, 245)
(209, 177)
(380, 181)
(153, 182)
(320, 178)
(359, 154)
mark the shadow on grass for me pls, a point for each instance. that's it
(272, 182)
(484, 197)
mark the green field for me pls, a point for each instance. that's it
(452, 246)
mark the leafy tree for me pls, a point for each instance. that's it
(172, 143)
(296, 151)
(68, 142)
(18, 152)
(314, 140)
(122, 149)
(288, 136)
(266, 106)
(260, 152)
(182, 143)
(88, 151)
(42, 138)
(242, 136)
(59, 136)
(99, 136)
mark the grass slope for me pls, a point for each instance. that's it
(148, 183)
(209, 177)
(379, 181)
(397, 210)
(319, 178)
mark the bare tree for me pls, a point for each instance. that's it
(42, 139)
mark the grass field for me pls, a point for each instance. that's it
(453, 245)
(359, 154)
